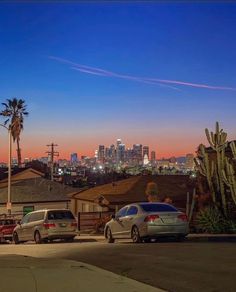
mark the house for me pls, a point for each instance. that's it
(114, 195)
(31, 191)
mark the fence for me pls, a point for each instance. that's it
(93, 221)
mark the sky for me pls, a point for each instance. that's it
(153, 73)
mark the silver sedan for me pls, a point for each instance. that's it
(144, 221)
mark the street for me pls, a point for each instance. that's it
(172, 266)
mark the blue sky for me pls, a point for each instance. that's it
(193, 43)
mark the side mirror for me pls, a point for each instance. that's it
(113, 216)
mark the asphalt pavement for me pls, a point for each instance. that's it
(171, 266)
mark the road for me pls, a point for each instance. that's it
(173, 266)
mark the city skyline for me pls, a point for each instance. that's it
(152, 73)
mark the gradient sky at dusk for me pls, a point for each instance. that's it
(42, 48)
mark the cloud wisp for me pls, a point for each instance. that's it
(161, 82)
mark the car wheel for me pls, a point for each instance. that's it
(109, 236)
(16, 238)
(135, 235)
(37, 237)
(147, 240)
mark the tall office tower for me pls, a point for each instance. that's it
(138, 153)
(74, 158)
(118, 142)
(120, 152)
(129, 154)
(153, 156)
(107, 153)
(113, 152)
(189, 164)
(101, 153)
(146, 151)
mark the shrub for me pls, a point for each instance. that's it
(211, 220)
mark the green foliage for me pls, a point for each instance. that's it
(211, 220)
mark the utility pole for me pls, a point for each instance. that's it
(52, 153)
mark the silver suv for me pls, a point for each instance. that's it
(44, 225)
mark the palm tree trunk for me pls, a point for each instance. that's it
(18, 152)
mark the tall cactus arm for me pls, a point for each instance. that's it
(233, 149)
(209, 138)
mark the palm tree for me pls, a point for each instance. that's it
(15, 111)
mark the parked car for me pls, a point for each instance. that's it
(7, 226)
(46, 225)
(144, 221)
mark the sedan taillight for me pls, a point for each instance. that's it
(151, 218)
(183, 217)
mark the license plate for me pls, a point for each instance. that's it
(63, 224)
(169, 220)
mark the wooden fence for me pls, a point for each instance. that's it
(93, 221)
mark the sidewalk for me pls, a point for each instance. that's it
(21, 273)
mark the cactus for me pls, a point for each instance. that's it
(233, 149)
(206, 169)
(229, 177)
(190, 207)
(218, 143)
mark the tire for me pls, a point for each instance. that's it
(109, 236)
(37, 237)
(15, 238)
(147, 240)
(135, 235)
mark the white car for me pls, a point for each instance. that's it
(143, 221)
(44, 225)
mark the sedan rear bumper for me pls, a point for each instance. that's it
(165, 230)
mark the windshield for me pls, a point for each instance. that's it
(158, 208)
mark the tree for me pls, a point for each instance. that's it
(15, 111)
(151, 192)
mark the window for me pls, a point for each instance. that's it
(25, 219)
(122, 212)
(58, 215)
(158, 208)
(27, 209)
(36, 216)
(133, 210)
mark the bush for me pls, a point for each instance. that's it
(211, 220)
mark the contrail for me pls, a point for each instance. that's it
(163, 82)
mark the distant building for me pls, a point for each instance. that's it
(120, 152)
(146, 151)
(153, 156)
(101, 153)
(44, 160)
(138, 153)
(74, 158)
(145, 160)
(189, 164)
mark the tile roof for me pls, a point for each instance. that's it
(133, 189)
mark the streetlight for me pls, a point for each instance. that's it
(9, 167)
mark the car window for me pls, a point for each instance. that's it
(133, 210)
(36, 216)
(25, 219)
(122, 212)
(158, 208)
(58, 215)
